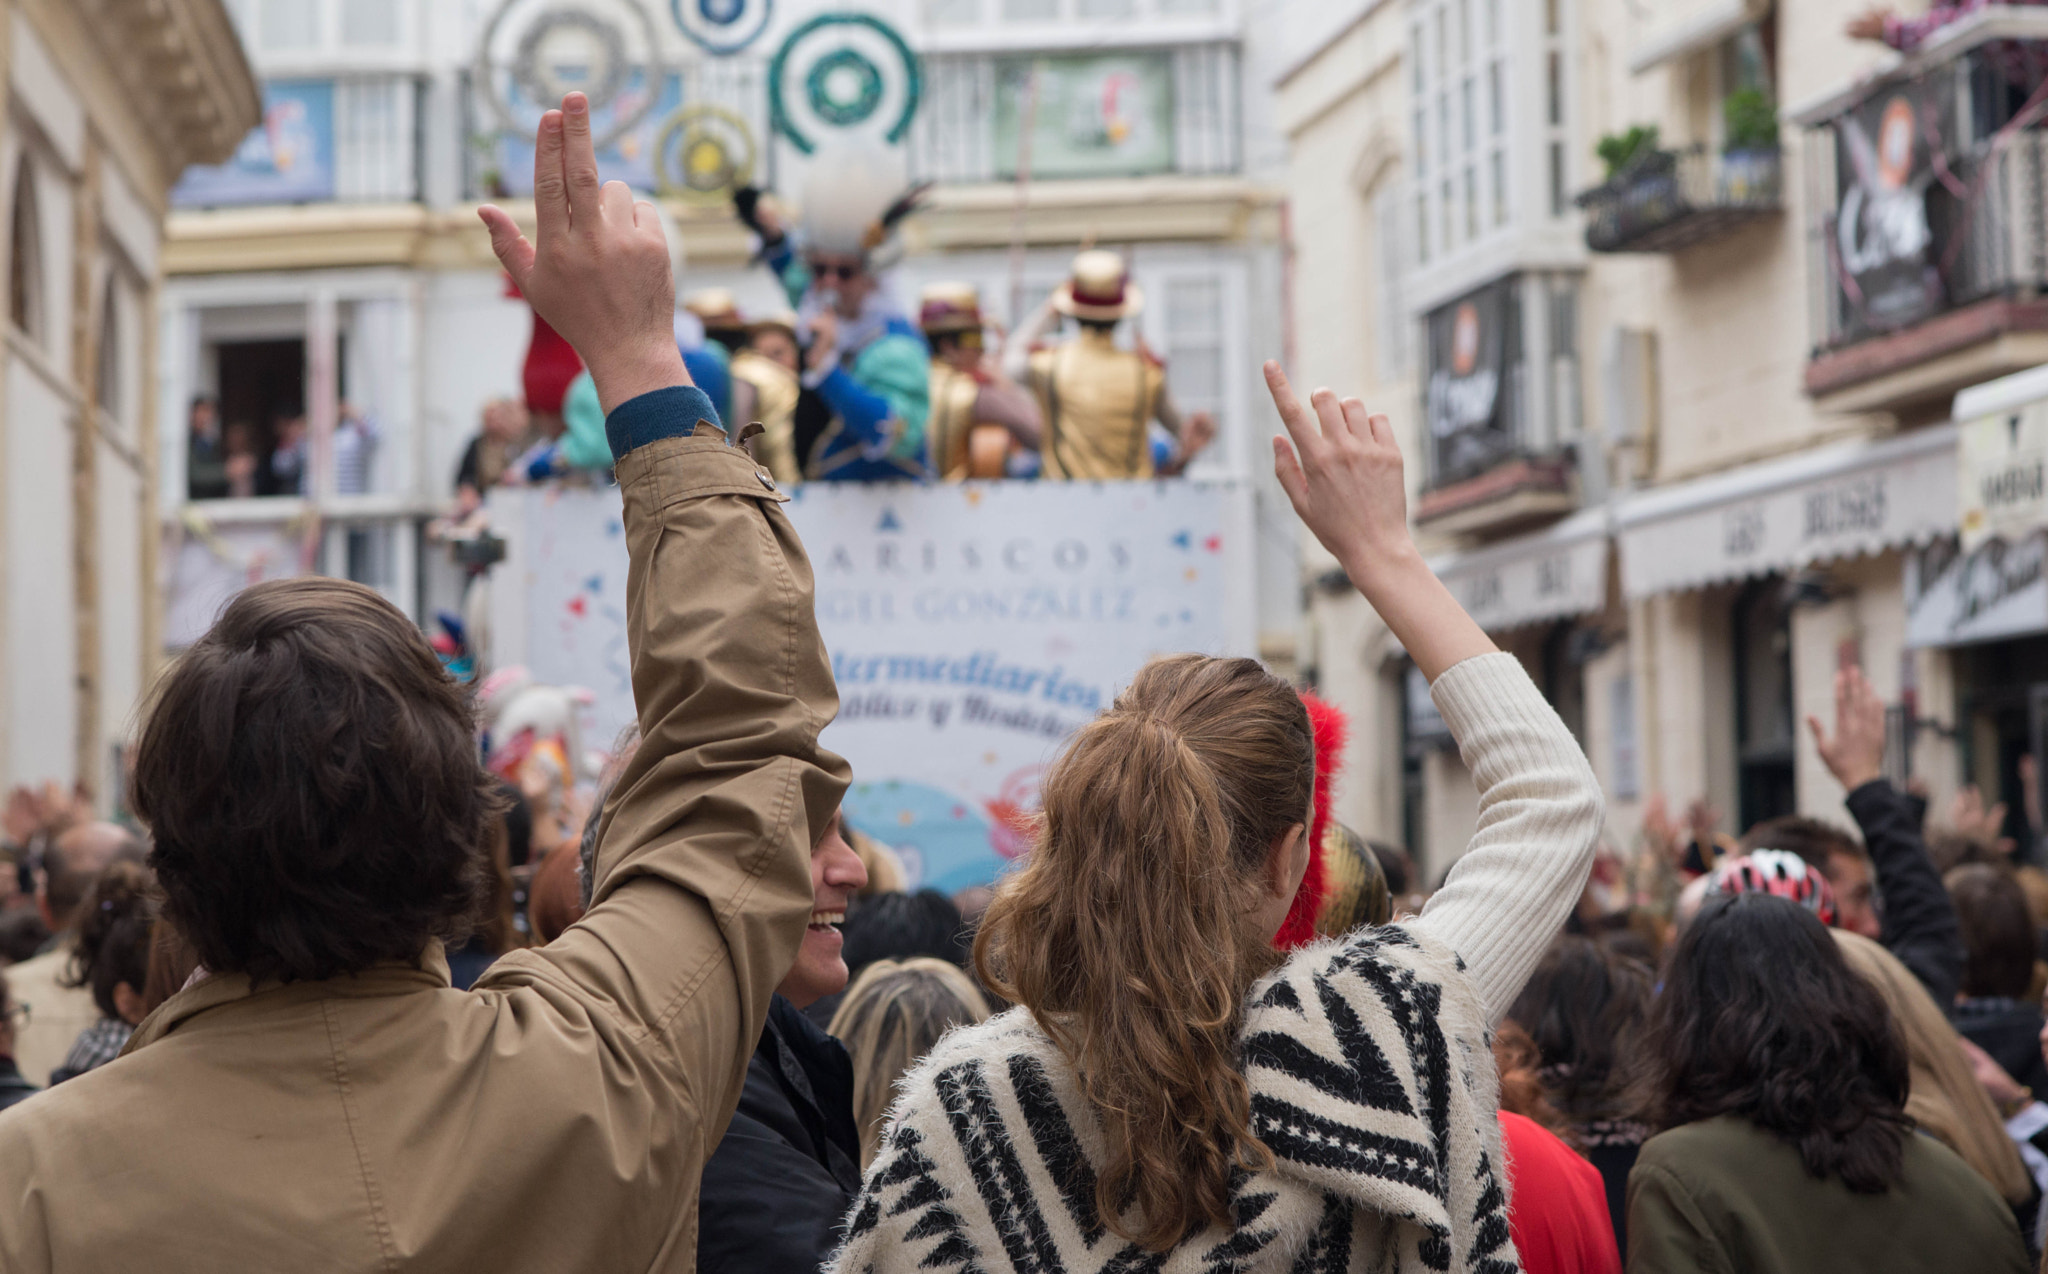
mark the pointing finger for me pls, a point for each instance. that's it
(1305, 435)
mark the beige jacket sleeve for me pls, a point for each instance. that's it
(1539, 813)
(702, 886)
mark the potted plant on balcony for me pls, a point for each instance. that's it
(1641, 189)
(1749, 158)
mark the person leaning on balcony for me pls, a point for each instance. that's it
(979, 416)
(323, 1099)
(1099, 401)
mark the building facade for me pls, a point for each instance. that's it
(1674, 304)
(106, 104)
(343, 262)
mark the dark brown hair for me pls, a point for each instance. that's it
(1810, 838)
(114, 923)
(1761, 1017)
(1124, 932)
(1584, 1010)
(1998, 930)
(310, 776)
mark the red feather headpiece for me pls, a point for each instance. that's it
(1331, 727)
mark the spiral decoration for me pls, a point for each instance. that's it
(839, 71)
(594, 48)
(704, 153)
(722, 26)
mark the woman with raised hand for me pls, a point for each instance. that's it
(1171, 1092)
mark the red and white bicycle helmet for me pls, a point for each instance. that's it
(1780, 872)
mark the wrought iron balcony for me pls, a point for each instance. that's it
(1671, 200)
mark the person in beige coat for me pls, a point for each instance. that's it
(323, 1100)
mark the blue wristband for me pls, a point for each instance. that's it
(657, 414)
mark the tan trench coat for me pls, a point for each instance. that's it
(556, 1118)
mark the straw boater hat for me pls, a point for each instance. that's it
(949, 307)
(1099, 289)
(717, 308)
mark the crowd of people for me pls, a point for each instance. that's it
(369, 986)
(230, 461)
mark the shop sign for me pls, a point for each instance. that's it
(288, 158)
(2002, 459)
(1532, 580)
(1469, 401)
(1956, 597)
(1847, 500)
(1887, 152)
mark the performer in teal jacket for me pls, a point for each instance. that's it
(867, 370)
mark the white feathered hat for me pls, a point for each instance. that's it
(854, 194)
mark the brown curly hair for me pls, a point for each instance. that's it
(1125, 934)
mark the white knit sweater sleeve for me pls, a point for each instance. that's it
(1539, 814)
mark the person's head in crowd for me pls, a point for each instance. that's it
(288, 430)
(1761, 1018)
(111, 956)
(836, 875)
(1355, 892)
(239, 438)
(1520, 1064)
(202, 417)
(775, 340)
(899, 926)
(309, 774)
(22, 934)
(892, 1015)
(1839, 856)
(1584, 1010)
(883, 865)
(1944, 1098)
(1999, 941)
(1173, 837)
(949, 315)
(71, 864)
(1396, 864)
(505, 420)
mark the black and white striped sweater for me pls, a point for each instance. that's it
(1371, 1081)
(1369, 1063)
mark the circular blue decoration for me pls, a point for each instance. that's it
(819, 99)
(569, 46)
(722, 26)
(843, 87)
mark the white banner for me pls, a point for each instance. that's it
(2003, 459)
(971, 629)
(1988, 593)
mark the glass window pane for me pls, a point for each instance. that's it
(1469, 114)
(1555, 83)
(1030, 10)
(291, 24)
(1443, 45)
(1492, 23)
(1496, 93)
(1553, 20)
(1422, 225)
(1187, 8)
(1450, 227)
(369, 23)
(1500, 188)
(1557, 199)
(1464, 32)
(952, 13)
(1471, 203)
(1105, 8)
(1421, 144)
(1415, 56)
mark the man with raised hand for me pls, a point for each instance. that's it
(322, 1100)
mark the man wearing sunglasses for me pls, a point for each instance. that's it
(866, 396)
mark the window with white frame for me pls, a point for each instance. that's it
(1391, 339)
(1459, 78)
(1554, 112)
(25, 256)
(1194, 342)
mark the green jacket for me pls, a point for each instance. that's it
(1726, 1197)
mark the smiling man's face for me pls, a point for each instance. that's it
(836, 875)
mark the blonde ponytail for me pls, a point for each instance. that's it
(1125, 933)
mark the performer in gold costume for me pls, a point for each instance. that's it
(1099, 401)
(980, 417)
(765, 389)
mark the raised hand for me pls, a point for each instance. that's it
(1342, 473)
(1343, 476)
(600, 272)
(1855, 755)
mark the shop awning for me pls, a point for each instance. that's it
(1554, 574)
(1837, 501)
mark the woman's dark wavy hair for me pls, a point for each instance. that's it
(310, 777)
(1761, 1017)
(1585, 1008)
